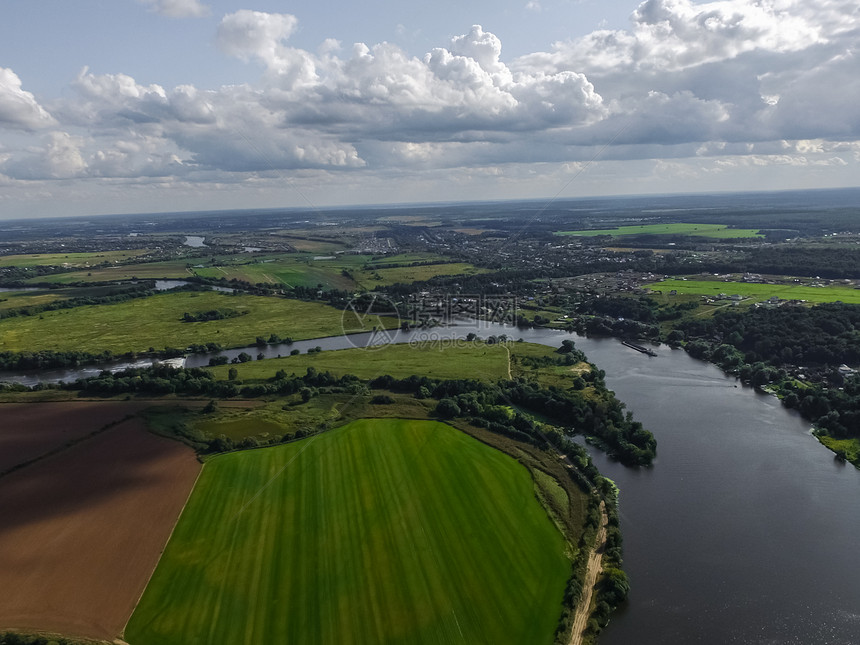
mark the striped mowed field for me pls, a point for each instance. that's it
(381, 532)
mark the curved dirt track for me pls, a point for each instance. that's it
(592, 572)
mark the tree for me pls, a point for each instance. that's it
(447, 408)
(233, 374)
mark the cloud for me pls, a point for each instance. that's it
(257, 35)
(18, 108)
(670, 35)
(729, 80)
(178, 8)
(59, 157)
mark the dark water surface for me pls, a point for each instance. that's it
(745, 530)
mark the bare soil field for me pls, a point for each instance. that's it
(81, 531)
(28, 431)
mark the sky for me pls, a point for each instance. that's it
(127, 106)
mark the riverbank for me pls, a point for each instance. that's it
(592, 573)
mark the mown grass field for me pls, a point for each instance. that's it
(699, 230)
(759, 292)
(156, 321)
(467, 360)
(381, 532)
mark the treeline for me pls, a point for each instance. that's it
(613, 585)
(488, 405)
(195, 381)
(48, 359)
(812, 260)
(122, 295)
(770, 346)
(822, 335)
(212, 314)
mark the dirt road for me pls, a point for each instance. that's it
(592, 572)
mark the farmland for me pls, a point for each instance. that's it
(29, 431)
(720, 231)
(143, 270)
(758, 292)
(287, 269)
(69, 259)
(156, 321)
(359, 535)
(82, 530)
(406, 275)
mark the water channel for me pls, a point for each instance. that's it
(745, 530)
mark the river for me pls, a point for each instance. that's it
(745, 530)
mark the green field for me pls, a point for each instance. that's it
(407, 275)
(479, 361)
(69, 259)
(759, 292)
(19, 299)
(344, 271)
(169, 269)
(380, 532)
(699, 230)
(156, 321)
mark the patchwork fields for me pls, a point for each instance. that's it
(382, 532)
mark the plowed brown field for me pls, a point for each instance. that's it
(82, 530)
(29, 430)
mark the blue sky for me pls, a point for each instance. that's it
(164, 105)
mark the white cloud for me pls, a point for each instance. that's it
(258, 35)
(670, 35)
(693, 84)
(59, 157)
(178, 8)
(19, 108)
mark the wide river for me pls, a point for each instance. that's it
(745, 530)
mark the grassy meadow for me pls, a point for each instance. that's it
(156, 321)
(167, 269)
(382, 532)
(20, 299)
(720, 231)
(759, 292)
(469, 360)
(69, 259)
